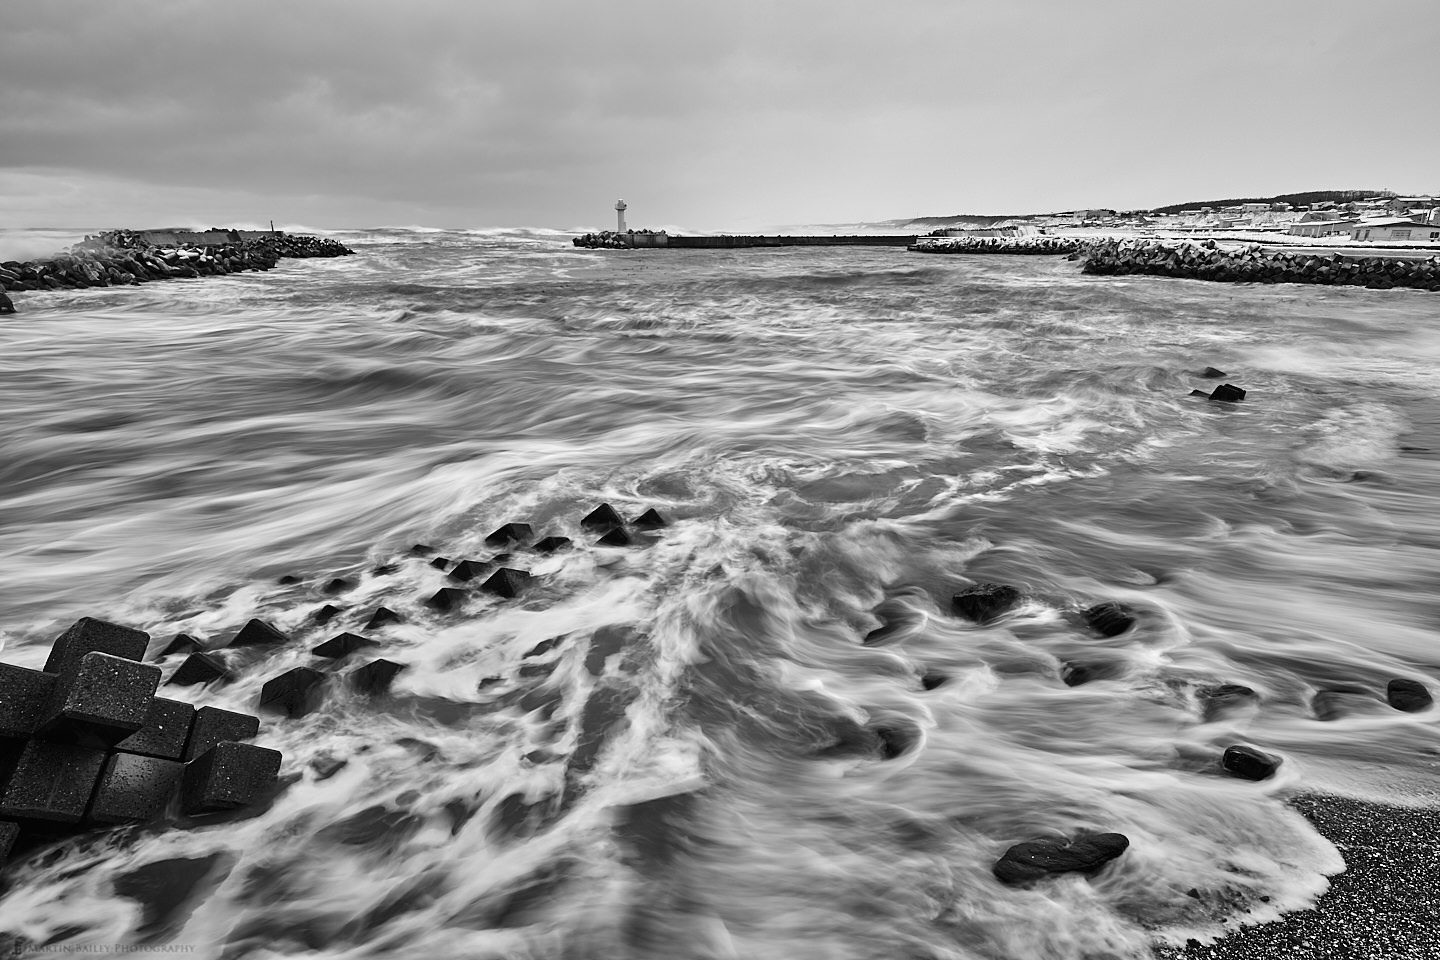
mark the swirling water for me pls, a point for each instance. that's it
(654, 752)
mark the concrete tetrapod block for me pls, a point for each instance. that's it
(213, 725)
(602, 517)
(101, 701)
(375, 677)
(294, 693)
(506, 582)
(467, 570)
(183, 643)
(382, 617)
(88, 635)
(446, 599)
(649, 520)
(9, 833)
(325, 614)
(166, 730)
(199, 668)
(615, 537)
(24, 696)
(51, 781)
(342, 645)
(134, 789)
(1227, 392)
(228, 776)
(551, 544)
(258, 633)
(509, 533)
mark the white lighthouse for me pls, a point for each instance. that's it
(619, 216)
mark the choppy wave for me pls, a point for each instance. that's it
(670, 749)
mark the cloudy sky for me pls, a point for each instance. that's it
(706, 115)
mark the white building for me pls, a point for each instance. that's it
(1394, 228)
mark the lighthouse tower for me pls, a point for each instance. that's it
(619, 216)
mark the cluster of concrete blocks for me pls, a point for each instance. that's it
(85, 742)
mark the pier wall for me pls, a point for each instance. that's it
(1034, 245)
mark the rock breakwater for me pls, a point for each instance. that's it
(123, 257)
(1251, 263)
(1019, 245)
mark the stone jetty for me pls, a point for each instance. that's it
(1039, 246)
(648, 239)
(122, 257)
(1251, 263)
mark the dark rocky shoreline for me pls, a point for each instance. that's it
(128, 257)
(1385, 906)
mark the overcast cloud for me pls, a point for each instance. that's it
(334, 113)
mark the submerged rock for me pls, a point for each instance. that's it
(985, 601)
(1228, 393)
(1033, 860)
(1110, 618)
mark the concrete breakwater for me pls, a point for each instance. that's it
(1018, 245)
(119, 257)
(1206, 260)
(632, 240)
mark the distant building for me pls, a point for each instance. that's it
(1400, 206)
(1254, 208)
(1394, 228)
(1321, 228)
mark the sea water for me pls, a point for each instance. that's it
(658, 750)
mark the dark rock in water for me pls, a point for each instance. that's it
(517, 533)
(1034, 860)
(552, 544)
(228, 776)
(294, 693)
(649, 520)
(441, 563)
(932, 680)
(102, 701)
(375, 677)
(615, 537)
(342, 645)
(446, 599)
(1249, 763)
(258, 633)
(326, 767)
(602, 517)
(337, 585)
(325, 614)
(383, 569)
(169, 890)
(1109, 618)
(1411, 696)
(183, 643)
(51, 781)
(199, 668)
(1210, 373)
(1217, 700)
(165, 733)
(88, 635)
(25, 697)
(1228, 393)
(1199, 393)
(288, 580)
(544, 647)
(1336, 702)
(507, 582)
(213, 725)
(985, 601)
(134, 789)
(1075, 674)
(381, 617)
(895, 739)
(7, 306)
(467, 570)
(421, 550)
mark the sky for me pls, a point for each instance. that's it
(717, 115)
